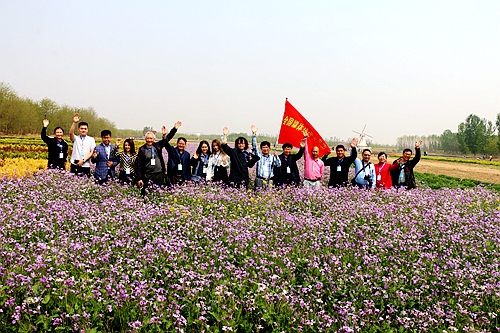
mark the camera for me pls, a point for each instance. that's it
(368, 178)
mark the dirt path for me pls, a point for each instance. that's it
(484, 173)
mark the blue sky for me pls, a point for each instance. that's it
(399, 67)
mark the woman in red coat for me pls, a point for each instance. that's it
(383, 171)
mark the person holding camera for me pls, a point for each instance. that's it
(365, 171)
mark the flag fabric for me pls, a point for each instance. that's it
(293, 124)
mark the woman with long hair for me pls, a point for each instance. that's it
(218, 164)
(199, 162)
(127, 159)
(241, 160)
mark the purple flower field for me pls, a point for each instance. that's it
(75, 256)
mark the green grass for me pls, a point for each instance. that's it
(442, 181)
(468, 160)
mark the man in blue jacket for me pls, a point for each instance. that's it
(104, 161)
(365, 176)
(178, 167)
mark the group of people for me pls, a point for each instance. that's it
(382, 175)
(218, 162)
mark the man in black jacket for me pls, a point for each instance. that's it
(339, 165)
(150, 163)
(288, 172)
(403, 176)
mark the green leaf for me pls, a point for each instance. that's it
(46, 299)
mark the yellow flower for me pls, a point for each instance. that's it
(20, 167)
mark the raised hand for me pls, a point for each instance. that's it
(354, 142)
(45, 122)
(195, 156)
(95, 153)
(275, 153)
(163, 130)
(118, 141)
(177, 124)
(254, 129)
(305, 133)
(418, 143)
(76, 118)
(225, 131)
(303, 143)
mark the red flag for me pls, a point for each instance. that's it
(293, 124)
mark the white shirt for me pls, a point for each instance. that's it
(82, 146)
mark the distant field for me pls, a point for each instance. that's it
(483, 173)
(35, 150)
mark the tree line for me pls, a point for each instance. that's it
(475, 135)
(22, 116)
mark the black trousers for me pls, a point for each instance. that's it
(81, 171)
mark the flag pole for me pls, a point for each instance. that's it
(276, 145)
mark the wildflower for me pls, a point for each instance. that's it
(135, 325)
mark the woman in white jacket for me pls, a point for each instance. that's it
(218, 164)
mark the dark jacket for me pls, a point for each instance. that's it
(198, 165)
(408, 170)
(240, 162)
(174, 158)
(281, 177)
(339, 178)
(141, 155)
(55, 148)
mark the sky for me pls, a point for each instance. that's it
(398, 67)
